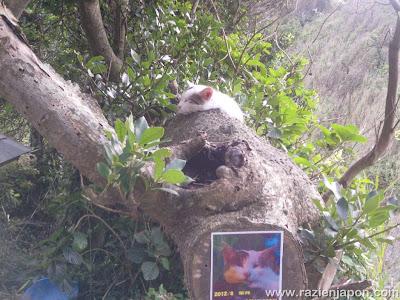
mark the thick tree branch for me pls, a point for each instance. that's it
(71, 121)
(195, 4)
(93, 26)
(120, 11)
(17, 6)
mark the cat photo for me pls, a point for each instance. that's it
(246, 265)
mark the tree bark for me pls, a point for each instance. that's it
(93, 26)
(265, 192)
(249, 185)
(70, 120)
(120, 11)
(17, 7)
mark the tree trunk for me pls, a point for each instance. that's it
(17, 6)
(265, 191)
(92, 23)
(243, 183)
(120, 12)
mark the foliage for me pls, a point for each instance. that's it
(355, 223)
(162, 294)
(107, 255)
(126, 156)
(17, 180)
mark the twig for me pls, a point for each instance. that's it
(309, 65)
(323, 23)
(368, 237)
(105, 224)
(252, 37)
(224, 36)
(194, 9)
(283, 51)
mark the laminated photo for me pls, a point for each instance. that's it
(246, 265)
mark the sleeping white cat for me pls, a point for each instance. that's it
(201, 98)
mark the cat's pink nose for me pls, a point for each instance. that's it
(246, 275)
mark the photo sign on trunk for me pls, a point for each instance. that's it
(246, 265)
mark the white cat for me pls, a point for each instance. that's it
(201, 98)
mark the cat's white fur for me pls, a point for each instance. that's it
(218, 100)
(260, 277)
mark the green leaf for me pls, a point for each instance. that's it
(342, 207)
(140, 126)
(72, 256)
(163, 249)
(80, 241)
(173, 176)
(177, 164)
(388, 240)
(97, 65)
(136, 255)
(150, 270)
(274, 133)
(146, 80)
(103, 169)
(129, 124)
(349, 133)
(367, 243)
(318, 204)
(372, 201)
(307, 235)
(302, 161)
(151, 135)
(142, 237)
(328, 231)
(165, 263)
(330, 221)
(334, 187)
(162, 153)
(131, 74)
(378, 217)
(156, 235)
(120, 129)
(348, 261)
(135, 56)
(159, 165)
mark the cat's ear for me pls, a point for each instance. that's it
(228, 253)
(269, 259)
(206, 94)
